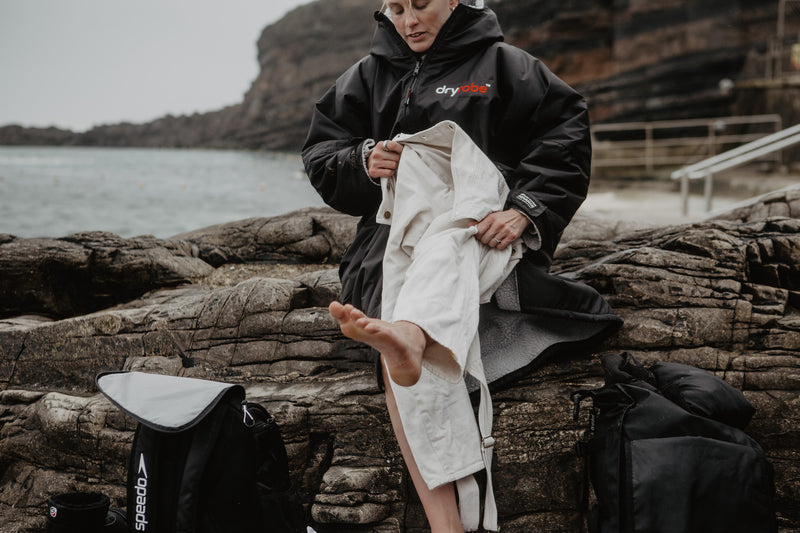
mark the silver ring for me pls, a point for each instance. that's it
(499, 241)
(385, 147)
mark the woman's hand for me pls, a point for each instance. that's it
(501, 228)
(383, 160)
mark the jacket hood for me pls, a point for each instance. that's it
(467, 29)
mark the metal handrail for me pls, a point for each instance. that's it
(687, 123)
(655, 149)
(698, 170)
(730, 159)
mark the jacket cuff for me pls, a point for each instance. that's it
(531, 236)
(527, 204)
(366, 148)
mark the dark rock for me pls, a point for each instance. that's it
(311, 235)
(721, 294)
(85, 272)
(89, 271)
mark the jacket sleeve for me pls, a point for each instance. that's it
(332, 153)
(549, 171)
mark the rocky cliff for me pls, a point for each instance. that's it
(247, 301)
(633, 59)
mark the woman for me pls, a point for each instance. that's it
(430, 61)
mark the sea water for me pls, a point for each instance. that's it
(53, 192)
(57, 191)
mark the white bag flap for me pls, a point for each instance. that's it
(165, 403)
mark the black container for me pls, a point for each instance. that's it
(77, 512)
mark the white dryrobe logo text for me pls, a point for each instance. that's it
(141, 496)
(463, 89)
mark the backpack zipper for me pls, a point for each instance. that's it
(247, 418)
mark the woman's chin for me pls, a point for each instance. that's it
(420, 46)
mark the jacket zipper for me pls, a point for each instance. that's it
(414, 77)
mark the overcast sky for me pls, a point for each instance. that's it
(79, 63)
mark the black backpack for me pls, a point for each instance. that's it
(666, 453)
(203, 460)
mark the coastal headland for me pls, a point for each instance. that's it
(633, 61)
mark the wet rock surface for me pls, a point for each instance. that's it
(720, 294)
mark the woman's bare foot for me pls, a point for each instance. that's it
(400, 343)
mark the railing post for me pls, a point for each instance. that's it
(769, 59)
(685, 194)
(711, 140)
(778, 71)
(707, 190)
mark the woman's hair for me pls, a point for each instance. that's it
(384, 7)
(471, 3)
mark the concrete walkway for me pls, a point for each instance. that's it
(658, 202)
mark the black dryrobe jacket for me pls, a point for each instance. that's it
(529, 122)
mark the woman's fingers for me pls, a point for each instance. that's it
(392, 147)
(384, 158)
(501, 228)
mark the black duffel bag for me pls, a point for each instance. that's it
(666, 453)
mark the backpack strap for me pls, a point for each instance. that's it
(204, 439)
(582, 449)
